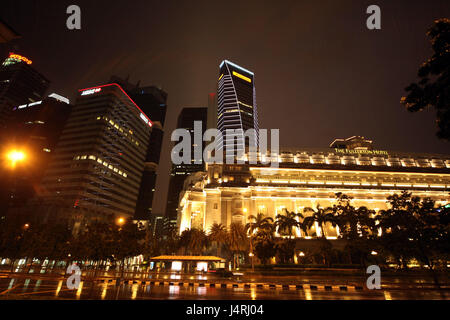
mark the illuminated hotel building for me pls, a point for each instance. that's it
(98, 164)
(309, 178)
(19, 84)
(236, 104)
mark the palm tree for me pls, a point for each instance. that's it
(237, 241)
(199, 241)
(170, 242)
(264, 246)
(194, 241)
(285, 225)
(218, 234)
(126, 242)
(320, 216)
(287, 222)
(356, 225)
(260, 223)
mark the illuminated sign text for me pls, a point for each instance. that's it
(91, 91)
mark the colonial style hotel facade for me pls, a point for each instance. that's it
(309, 178)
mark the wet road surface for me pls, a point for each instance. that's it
(27, 287)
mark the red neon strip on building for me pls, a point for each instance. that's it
(118, 86)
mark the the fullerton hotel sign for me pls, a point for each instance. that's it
(361, 151)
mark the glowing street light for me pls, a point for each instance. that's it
(16, 156)
(120, 221)
(251, 255)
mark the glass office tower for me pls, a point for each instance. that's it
(236, 105)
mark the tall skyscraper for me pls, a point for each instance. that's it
(153, 102)
(212, 111)
(179, 172)
(100, 159)
(33, 129)
(19, 84)
(236, 104)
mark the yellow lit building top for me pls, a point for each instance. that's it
(242, 76)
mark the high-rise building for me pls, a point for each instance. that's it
(33, 129)
(179, 172)
(99, 162)
(153, 102)
(212, 111)
(236, 105)
(19, 84)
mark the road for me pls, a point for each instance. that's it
(41, 286)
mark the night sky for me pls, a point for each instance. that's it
(320, 73)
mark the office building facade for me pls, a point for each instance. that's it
(98, 164)
(236, 106)
(20, 84)
(153, 102)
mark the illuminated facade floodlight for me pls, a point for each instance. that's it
(59, 98)
(29, 105)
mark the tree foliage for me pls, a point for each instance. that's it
(433, 88)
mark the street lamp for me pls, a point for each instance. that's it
(15, 156)
(120, 221)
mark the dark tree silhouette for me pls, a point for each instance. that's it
(433, 89)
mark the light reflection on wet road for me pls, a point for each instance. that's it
(23, 288)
